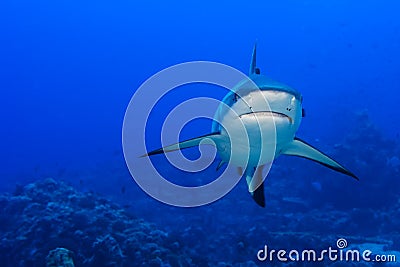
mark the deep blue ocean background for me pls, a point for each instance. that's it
(69, 68)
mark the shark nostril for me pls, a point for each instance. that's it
(288, 109)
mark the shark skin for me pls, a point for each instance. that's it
(270, 127)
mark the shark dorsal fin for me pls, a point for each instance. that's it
(253, 64)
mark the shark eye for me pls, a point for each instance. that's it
(235, 98)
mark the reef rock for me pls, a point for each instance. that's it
(50, 218)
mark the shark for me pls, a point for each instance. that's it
(270, 114)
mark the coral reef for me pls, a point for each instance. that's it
(46, 215)
(60, 257)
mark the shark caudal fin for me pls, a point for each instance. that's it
(302, 149)
(255, 183)
(209, 139)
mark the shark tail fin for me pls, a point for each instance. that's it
(253, 65)
(302, 149)
(259, 196)
(208, 139)
(255, 183)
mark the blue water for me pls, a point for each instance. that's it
(69, 68)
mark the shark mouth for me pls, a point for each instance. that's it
(268, 113)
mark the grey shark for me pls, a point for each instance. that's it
(271, 115)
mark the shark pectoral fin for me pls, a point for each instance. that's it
(302, 149)
(209, 139)
(255, 183)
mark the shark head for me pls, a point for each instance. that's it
(261, 104)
